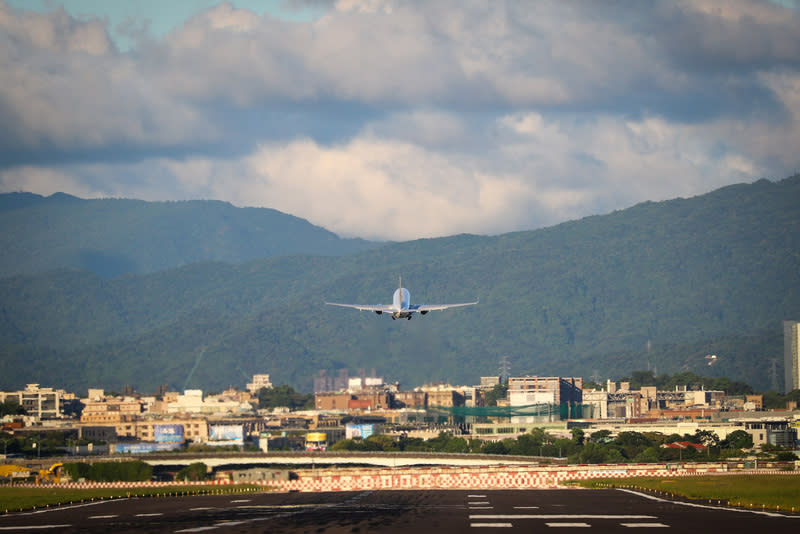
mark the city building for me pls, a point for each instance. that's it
(259, 381)
(43, 403)
(101, 410)
(791, 355)
(527, 390)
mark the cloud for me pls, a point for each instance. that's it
(395, 120)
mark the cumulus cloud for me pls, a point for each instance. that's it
(395, 120)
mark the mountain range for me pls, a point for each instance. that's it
(109, 292)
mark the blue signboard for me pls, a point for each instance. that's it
(145, 447)
(171, 433)
(226, 433)
(362, 430)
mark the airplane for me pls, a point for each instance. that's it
(401, 307)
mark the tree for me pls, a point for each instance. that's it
(577, 436)
(284, 396)
(738, 439)
(11, 407)
(494, 447)
(194, 472)
(496, 393)
(706, 437)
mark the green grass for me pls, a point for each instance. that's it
(751, 491)
(13, 499)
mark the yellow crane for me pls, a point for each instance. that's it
(52, 474)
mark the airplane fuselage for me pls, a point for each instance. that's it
(401, 307)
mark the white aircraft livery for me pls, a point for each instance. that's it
(401, 307)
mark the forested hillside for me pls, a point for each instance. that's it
(111, 237)
(659, 286)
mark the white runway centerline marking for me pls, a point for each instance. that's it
(560, 516)
(241, 500)
(526, 508)
(476, 496)
(197, 529)
(478, 503)
(569, 525)
(490, 525)
(201, 508)
(149, 515)
(34, 527)
(103, 516)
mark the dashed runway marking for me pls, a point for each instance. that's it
(490, 525)
(644, 525)
(34, 527)
(568, 525)
(111, 516)
(560, 516)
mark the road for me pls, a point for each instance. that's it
(415, 512)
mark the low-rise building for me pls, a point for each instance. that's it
(43, 403)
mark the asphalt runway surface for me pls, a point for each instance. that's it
(415, 512)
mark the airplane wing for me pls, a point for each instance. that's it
(425, 308)
(365, 307)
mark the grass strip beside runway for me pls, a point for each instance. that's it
(773, 492)
(14, 499)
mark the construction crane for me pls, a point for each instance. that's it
(50, 475)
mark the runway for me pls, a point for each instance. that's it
(415, 512)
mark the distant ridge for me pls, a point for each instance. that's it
(659, 285)
(111, 237)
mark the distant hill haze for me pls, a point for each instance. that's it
(111, 237)
(657, 286)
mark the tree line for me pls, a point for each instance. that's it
(599, 447)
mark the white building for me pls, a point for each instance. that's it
(40, 403)
(259, 381)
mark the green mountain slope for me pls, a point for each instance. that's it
(689, 277)
(111, 237)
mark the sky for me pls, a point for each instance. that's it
(399, 120)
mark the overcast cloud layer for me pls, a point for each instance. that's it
(389, 120)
